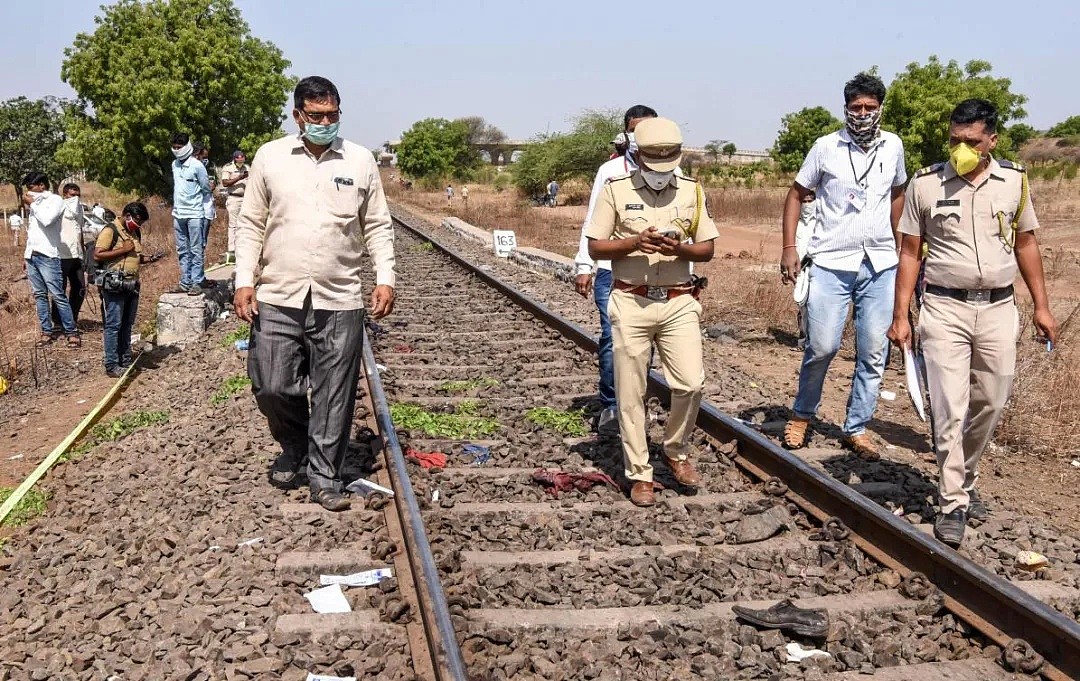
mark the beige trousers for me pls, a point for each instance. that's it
(970, 352)
(232, 207)
(675, 327)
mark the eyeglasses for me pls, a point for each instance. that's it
(320, 116)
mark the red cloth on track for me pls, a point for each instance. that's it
(427, 459)
(557, 481)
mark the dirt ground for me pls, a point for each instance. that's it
(1028, 469)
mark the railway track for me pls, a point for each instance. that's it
(166, 555)
(588, 586)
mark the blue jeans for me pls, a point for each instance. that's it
(826, 308)
(120, 310)
(602, 284)
(47, 279)
(189, 250)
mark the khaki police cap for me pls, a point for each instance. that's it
(659, 144)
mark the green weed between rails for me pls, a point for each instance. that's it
(469, 384)
(113, 430)
(565, 422)
(464, 423)
(29, 507)
(423, 247)
(242, 332)
(231, 386)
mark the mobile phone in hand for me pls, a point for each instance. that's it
(671, 234)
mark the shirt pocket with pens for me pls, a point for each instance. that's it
(344, 197)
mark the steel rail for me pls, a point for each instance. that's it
(442, 641)
(990, 604)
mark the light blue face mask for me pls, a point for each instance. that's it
(322, 135)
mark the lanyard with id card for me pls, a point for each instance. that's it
(856, 197)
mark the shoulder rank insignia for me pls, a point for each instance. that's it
(930, 170)
(616, 178)
(1013, 165)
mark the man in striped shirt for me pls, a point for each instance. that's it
(859, 176)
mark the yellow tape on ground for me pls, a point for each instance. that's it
(45, 465)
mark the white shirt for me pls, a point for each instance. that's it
(855, 216)
(71, 228)
(613, 168)
(15, 221)
(43, 229)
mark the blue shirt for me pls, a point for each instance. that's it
(191, 188)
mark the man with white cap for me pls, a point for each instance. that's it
(651, 224)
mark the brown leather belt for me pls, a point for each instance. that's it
(655, 292)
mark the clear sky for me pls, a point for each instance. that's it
(721, 70)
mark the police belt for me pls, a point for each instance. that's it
(655, 292)
(972, 295)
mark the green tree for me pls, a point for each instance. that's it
(729, 150)
(30, 134)
(1020, 133)
(576, 154)
(156, 67)
(1067, 128)
(798, 132)
(714, 148)
(436, 147)
(920, 99)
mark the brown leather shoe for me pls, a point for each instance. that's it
(795, 432)
(684, 472)
(642, 494)
(863, 446)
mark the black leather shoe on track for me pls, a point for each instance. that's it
(330, 499)
(785, 615)
(976, 508)
(288, 471)
(949, 527)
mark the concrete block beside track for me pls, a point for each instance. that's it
(182, 318)
(534, 259)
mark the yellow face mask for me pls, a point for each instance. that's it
(964, 157)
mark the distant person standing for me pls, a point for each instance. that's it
(191, 186)
(553, 193)
(234, 180)
(858, 175)
(465, 196)
(119, 254)
(72, 251)
(449, 196)
(42, 256)
(15, 222)
(314, 204)
(202, 153)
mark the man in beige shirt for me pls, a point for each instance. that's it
(975, 215)
(234, 177)
(312, 203)
(651, 224)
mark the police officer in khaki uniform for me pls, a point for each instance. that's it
(976, 217)
(234, 180)
(652, 224)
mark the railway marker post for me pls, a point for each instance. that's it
(504, 241)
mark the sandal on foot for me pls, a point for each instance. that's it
(863, 447)
(796, 431)
(74, 341)
(45, 341)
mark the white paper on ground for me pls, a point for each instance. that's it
(364, 487)
(324, 677)
(796, 653)
(250, 542)
(366, 578)
(888, 395)
(914, 384)
(328, 599)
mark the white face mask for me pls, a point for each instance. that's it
(655, 179)
(631, 143)
(183, 152)
(807, 211)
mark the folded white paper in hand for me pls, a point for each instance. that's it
(915, 385)
(328, 599)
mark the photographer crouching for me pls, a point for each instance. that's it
(118, 253)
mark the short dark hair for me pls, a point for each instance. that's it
(70, 186)
(864, 84)
(35, 177)
(315, 89)
(180, 138)
(637, 111)
(197, 147)
(137, 210)
(108, 215)
(973, 111)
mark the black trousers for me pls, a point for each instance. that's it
(292, 350)
(74, 285)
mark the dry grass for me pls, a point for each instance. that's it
(747, 206)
